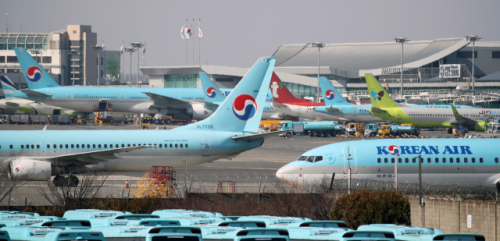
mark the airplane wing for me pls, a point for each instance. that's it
(212, 105)
(165, 101)
(35, 93)
(92, 157)
(460, 119)
(378, 110)
(255, 137)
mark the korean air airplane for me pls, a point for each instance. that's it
(469, 162)
(180, 103)
(340, 108)
(28, 106)
(384, 107)
(37, 155)
(214, 98)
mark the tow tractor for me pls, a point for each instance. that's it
(145, 122)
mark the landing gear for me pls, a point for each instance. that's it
(71, 181)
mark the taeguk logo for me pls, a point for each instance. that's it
(244, 107)
(34, 74)
(211, 92)
(393, 150)
(17, 169)
(330, 94)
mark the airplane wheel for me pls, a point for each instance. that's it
(73, 181)
(59, 181)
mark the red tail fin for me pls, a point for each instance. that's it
(281, 94)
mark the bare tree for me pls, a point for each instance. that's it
(8, 185)
(65, 195)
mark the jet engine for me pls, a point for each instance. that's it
(196, 111)
(29, 169)
(200, 112)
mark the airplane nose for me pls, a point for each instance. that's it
(285, 173)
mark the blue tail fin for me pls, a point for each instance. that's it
(241, 111)
(212, 93)
(8, 86)
(36, 77)
(330, 94)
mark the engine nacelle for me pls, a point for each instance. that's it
(29, 169)
(200, 112)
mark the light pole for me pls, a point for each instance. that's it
(137, 46)
(130, 50)
(318, 45)
(402, 41)
(473, 39)
(72, 61)
(98, 48)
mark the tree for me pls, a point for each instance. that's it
(367, 207)
(7, 185)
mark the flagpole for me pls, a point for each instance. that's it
(186, 46)
(199, 42)
(193, 43)
(144, 54)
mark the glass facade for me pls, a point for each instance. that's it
(181, 81)
(27, 41)
(301, 91)
(75, 62)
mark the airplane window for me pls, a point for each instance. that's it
(161, 145)
(55, 146)
(436, 160)
(186, 145)
(181, 145)
(66, 146)
(473, 160)
(385, 160)
(318, 159)
(149, 144)
(428, 160)
(458, 159)
(133, 145)
(128, 145)
(11, 146)
(72, 146)
(302, 158)
(310, 159)
(88, 145)
(22, 146)
(61, 146)
(123, 145)
(175, 145)
(379, 160)
(451, 159)
(37, 146)
(400, 160)
(406, 160)
(414, 160)
(138, 144)
(170, 145)
(496, 159)
(99, 145)
(444, 159)
(105, 146)
(93, 145)
(392, 160)
(32, 146)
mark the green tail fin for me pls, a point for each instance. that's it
(378, 96)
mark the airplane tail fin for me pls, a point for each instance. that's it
(36, 77)
(8, 86)
(212, 93)
(378, 96)
(241, 111)
(281, 94)
(330, 94)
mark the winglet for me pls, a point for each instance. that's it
(212, 94)
(455, 112)
(378, 96)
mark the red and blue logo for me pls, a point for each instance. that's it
(393, 150)
(244, 107)
(211, 92)
(34, 74)
(330, 94)
(17, 169)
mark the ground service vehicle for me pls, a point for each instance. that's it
(312, 128)
(355, 129)
(371, 129)
(398, 130)
(272, 125)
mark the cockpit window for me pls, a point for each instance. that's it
(318, 159)
(302, 158)
(310, 159)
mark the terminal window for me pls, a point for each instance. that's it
(494, 55)
(12, 59)
(466, 54)
(2, 59)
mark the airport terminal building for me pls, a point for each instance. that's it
(345, 64)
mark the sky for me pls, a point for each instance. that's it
(237, 33)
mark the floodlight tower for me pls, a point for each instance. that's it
(402, 41)
(473, 39)
(98, 48)
(318, 45)
(130, 50)
(137, 46)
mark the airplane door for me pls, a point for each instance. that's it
(123, 96)
(350, 159)
(205, 146)
(355, 111)
(69, 95)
